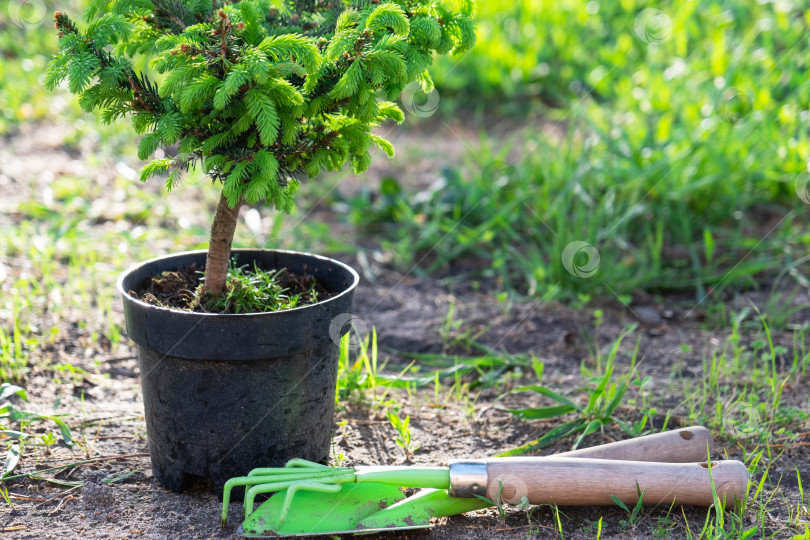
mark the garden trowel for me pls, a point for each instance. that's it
(315, 499)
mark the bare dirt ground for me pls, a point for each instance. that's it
(106, 414)
(406, 313)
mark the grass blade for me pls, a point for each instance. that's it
(544, 391)
(548, 439)
(619, 503)
(591, 428)
(12, 458)
(540, 413)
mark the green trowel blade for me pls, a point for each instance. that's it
(355, 509)
(313, 513)
(415, 512)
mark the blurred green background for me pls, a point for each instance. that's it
(668, 140)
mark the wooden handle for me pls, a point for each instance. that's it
(685, 445)
(583, 481)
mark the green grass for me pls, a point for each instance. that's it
(742, 391)
(58, 261)
(605, 394)
(661, 227)
(677, 161)
(538, 51)
(741, 399)
(27, 40)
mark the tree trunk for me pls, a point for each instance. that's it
(219, 247)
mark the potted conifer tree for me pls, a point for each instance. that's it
(258, 97)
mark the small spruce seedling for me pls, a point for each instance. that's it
(257, 96)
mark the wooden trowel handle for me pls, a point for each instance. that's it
(685, 445)
(583, 481)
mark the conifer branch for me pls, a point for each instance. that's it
(258, 98)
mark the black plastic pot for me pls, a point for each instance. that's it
(226, 393)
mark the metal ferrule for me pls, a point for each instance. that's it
(468, 478)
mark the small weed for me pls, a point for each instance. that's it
(338, 457)
(5, 496)
(662, 527)
(802, 513)
(498, 503)
(592, 528)
(402, 427)
(632, 515)
(13, 361)
(360, 376)
(14, 422)
(803, 536)
(47, 440)
(741, 393)
(558, 521)
(531, 530)
(485, 371)
(451, 330)
(604, 397)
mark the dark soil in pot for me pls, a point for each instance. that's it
(245, 288)
(224, 394)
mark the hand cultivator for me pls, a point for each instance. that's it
(313, 499)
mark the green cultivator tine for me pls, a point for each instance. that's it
(290, 491)
(295, 472)
(310, 466)
(300, 476)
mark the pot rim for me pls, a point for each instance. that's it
(119, 284)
